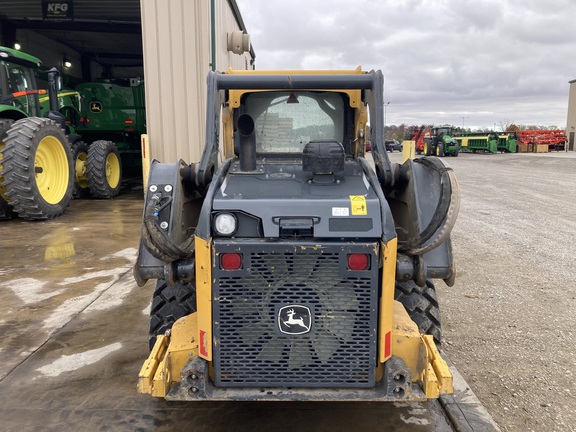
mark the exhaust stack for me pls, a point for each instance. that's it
(245, 127)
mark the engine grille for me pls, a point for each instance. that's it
(338, 344)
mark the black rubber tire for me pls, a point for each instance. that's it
(170, 303)
(6, 210)
(456, 150)
(427, 149)
(37, 173)
(421, 303)
(81, 188)
(5, 125)
(104, 169)
(440, 150)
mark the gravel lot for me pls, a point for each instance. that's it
(510, 320)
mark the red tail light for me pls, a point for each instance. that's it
(231, 261)
(358, 261)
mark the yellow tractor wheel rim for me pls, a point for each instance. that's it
(51, 170)
(425, 148)
(112, 170)
(438, 151)
(80, 170)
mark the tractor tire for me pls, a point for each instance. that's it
(37, 173)
(103, 169)
(456, 150)
(81, 188)
(421, 303)
(440, 150)
(427, 149)
(169, 304)
(6, 210)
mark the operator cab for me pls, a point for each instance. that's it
(18, 87)
(285, 122)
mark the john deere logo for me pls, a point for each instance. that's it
(96, 106)
(294, 320)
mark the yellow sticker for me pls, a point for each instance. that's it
(358, 205)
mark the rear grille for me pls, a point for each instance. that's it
(258, 343)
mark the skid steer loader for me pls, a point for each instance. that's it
(277, 270)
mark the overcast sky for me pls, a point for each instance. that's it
(463, 62)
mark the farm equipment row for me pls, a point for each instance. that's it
(444, 141)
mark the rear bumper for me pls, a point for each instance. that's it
(201, 388)
(415, 372)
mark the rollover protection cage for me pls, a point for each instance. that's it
(277, 270)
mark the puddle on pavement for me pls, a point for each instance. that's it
(69, 363)
(50, 271)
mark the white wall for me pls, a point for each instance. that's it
(571, 120)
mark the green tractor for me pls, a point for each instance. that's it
(112, 118)
(44, 161)
(441, 142)
(36, 172)
(97, 161)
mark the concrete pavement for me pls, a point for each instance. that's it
(74, 335)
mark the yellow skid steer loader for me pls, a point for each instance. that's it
(296, 269)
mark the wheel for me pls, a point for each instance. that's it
(169, 304)
(427, 149)
(81, 188)
(6, 210)
(37, 169)
(440, 150)
(456, 150)
(103, 169)
(421, 304)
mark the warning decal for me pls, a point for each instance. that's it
(358, 205)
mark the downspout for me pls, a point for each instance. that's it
(213, 32)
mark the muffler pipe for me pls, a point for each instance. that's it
(245, 127)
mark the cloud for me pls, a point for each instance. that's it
(442, 59)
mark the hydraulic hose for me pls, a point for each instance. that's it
(157, 240)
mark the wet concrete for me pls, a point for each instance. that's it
(74, 335)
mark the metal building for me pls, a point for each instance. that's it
(571, 119)
(183, 40)
(172, 43)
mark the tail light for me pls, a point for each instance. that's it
(231, 261)
(358, 261)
